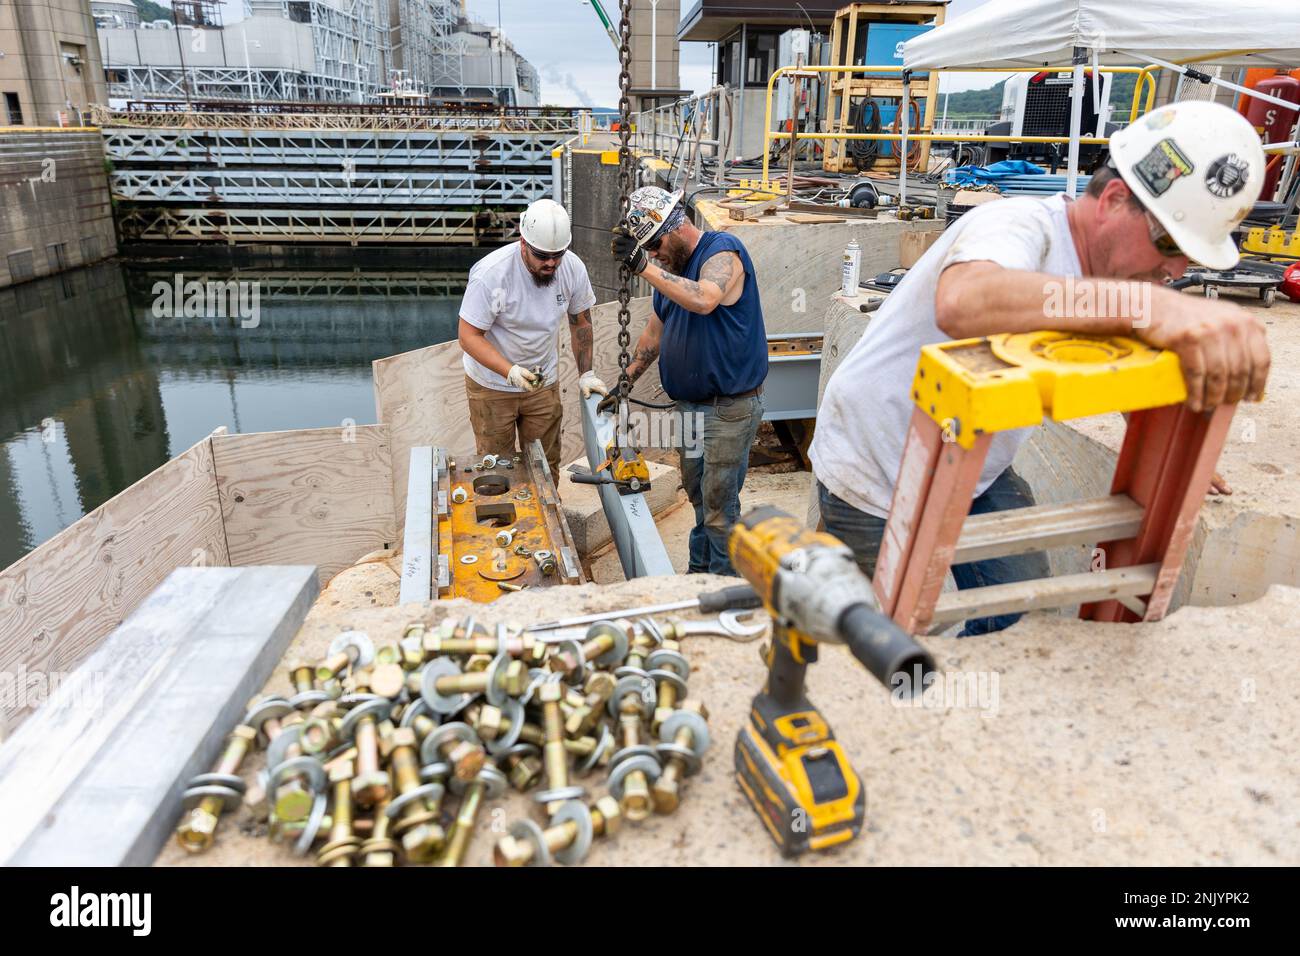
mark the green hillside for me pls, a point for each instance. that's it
(985, 104)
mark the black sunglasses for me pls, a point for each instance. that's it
(653, 244)
(544, 256)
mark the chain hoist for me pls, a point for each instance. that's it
(624, 467)
(624, 194)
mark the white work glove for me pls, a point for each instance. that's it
(588, 382)
(520, 377)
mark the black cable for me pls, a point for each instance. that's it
(864, 152)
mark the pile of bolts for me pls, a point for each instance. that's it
(362, 754)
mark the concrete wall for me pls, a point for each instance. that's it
(798, 264)
(51, 61)
(55, 211)
(592, 201)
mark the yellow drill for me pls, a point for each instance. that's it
(788, 762)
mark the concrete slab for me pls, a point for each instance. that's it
(1090, 744)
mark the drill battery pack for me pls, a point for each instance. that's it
(796, 776)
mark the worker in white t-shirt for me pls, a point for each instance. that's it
(1177, 184)
(509, 318)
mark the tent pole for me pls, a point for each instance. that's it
(1189, 73)
(904, 108)
(1076, 121)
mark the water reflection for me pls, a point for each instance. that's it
(97, 390)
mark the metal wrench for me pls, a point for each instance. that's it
(729, 624)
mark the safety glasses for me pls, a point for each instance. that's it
(1161, 239)
(544, 256)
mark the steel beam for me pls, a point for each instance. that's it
(640, 549)
(790, 390)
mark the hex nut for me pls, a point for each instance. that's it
(600, 683)
(515, 680)
(511, 852)
(196, 833)
(423, 842)
(611, 814)
(489, 721)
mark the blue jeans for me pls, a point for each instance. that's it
(714, 458)
(863, 533)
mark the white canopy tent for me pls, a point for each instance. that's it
(1072, 34)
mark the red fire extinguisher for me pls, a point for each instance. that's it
(1274, 122)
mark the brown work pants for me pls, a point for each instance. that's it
(495, 416)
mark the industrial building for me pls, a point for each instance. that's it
(314, 50)
(50, 70)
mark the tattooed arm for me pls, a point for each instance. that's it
(647, 348)
(721, 281)
(580, 336)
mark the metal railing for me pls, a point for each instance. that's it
(770, 134)
(681, 126)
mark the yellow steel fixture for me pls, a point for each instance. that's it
(1001, 382)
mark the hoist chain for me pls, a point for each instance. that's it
(624, 191)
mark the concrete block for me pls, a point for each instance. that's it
(585, 515)
(95, 776)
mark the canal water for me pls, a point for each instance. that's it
(104, 376)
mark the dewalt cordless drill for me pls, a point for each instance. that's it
(788, 762)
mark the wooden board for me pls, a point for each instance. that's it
(1040, 593)
(319, 496)
(95, 777)
(63, 598)
(811, 217)
(420, 395)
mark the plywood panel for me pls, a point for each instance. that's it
(319, 496)
(58, 602)
(95, 777)
(420, 395)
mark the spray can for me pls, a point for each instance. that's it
(850, 268)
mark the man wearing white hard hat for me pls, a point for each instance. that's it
(514, 304)
(1178, 182)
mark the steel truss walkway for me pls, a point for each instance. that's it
(363, 175)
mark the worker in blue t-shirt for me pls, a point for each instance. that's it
(707, 333)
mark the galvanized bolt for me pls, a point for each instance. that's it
(379, 849)
(555, 759)
(567, 839)
(360, 727)
(488, 783)
(197, 831)
(685, 737)
(417, 805)
(343, 843)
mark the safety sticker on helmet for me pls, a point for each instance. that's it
(1227, 176)
(1162, 167)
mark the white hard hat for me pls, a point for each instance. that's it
(1198, 167)
(545, 226)
(648, 208)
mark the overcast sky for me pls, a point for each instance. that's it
(569, 47)
(577, 62)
